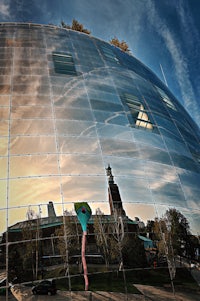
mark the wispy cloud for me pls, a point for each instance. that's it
(177, 54)
(4, 9)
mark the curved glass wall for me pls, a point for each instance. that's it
(71, 104)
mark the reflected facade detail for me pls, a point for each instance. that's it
(71, 104)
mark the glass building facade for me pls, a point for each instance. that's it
(71, 104)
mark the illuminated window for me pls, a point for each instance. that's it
(166, 99)
(64, 63)
(138, 112)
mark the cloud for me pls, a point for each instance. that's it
(179, 59)
(4, 9)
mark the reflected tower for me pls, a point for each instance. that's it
(114, 197)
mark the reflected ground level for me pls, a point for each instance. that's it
(146, 293)
(185, 288)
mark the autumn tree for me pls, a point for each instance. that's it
(122, 45)
(67, 240)
(75, 26)
(31, 245)
(104, 239)
(116, 243)
(179, 230)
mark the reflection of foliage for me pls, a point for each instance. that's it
(75, 26)
(117, 245)
(172, 233)
(133, 251)
(174, 228)
(122, 45)
(31, 234)
(178, 230)
(104, 239)
(67, 243)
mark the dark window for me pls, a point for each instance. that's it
(109, 54)
(64, 63)
(166, 99)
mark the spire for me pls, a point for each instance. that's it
(115, 201)
(109, 175)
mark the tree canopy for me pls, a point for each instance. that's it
(122, 45)
(75, 26)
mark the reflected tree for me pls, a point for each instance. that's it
(31, 246)
(68, 238)
(179, 231)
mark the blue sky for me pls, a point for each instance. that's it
(165, 32)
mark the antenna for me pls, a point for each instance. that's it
(163, 75)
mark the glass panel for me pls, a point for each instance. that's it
(4, 100)
(31, 145)
(5, 80)
(177, 147)
(166, 99)
(167, 124)
(126, 167)
(111, 118)
(72, 101)
(190, 185)
(30, 100)
(114, 131)
(109, 54)
(148, 138)
(29, 112)
(103, 96)
(6, 63)
(4, 113)
(3, 189)
(3, 146)
(153, 154)
(143, 212)
(84, 187)
(78, 145)
(193, 216)
(34, 80)
(166, 133)
(32, 127)
(79, 128)
(161, 171)
(184, 162)
(30, 89)
(33, 166)
(4, 128)
(27, 191)
(5, 70)
(167, 193)
(3, 169)
(119, 148)
(81, 164)
(72, 113)
(105, 106)
(133, 190)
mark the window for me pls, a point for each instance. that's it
(64, 63)
(109, 54)
(138, 112)
(166, 99)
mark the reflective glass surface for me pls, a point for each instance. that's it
(70, 106)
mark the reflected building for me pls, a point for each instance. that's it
(71, 104)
